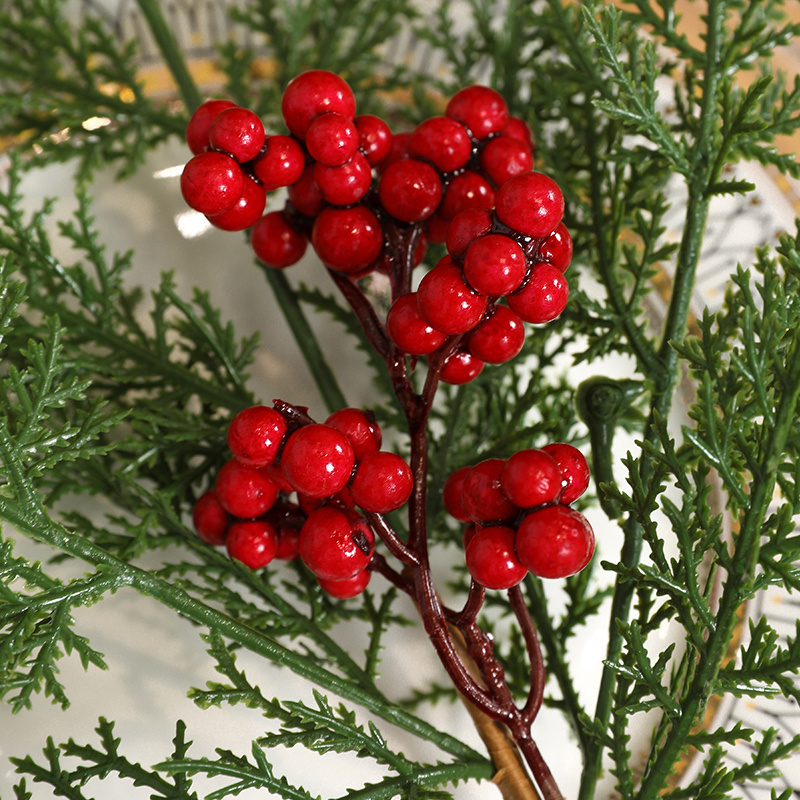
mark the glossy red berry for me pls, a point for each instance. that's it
(452, 499)
(305, 195)
(346, 183)
(374, 138)
(409, 330)
(498, 337)
(382, 482)
(542, 297)
(465, 228)
(281, 163)
(447, 302)
(255, 435)
(482, 110)
(346, 589)
(210, 519)
(360, 428)
(517, 128)
(555, 542)
(238, 132)
(331, 139)
(246, 211)
(574, 470)
(254, 543)
(211, 183)
(410, 190)
(504, 157)
(460, 367)
(467, 190)
(530, 203)
(443, 142)
(347, 239)
(492, 560)
(200, 123)
(556, 249)
(276, 243)
(245, 492)
(334, 545)
(482, 496)
(313, 93)
(317, 460)
(531, 478)
(495, 265)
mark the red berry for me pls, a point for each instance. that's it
(382, 483)
(495, 265)
(374, 138)
(467, 190)
(281, 163)
(470, 532)
(481, 109)
(410, 190)
(542, 297)
(245, 492)
(555, 542)
(447, 302)
(498, 337)
(347, 239)
(465, 228)
(288, 543)
(254, 543)
(491, 559)
(344, 184)
(504, 157)
(211, 183)
(305, 195)
(334, 545)
(481, 494)
(275, 472)
(452, 498)
(517, 128)
(275, 242)
(346, 589)
(313, 93)
(556, 249)
(442, 141)
(460, 367)
(531, 478)
(409, 330)
(399, 149)
(239, 132)
(436, 228)
(200, 123)
(331, 139)
(246, 211)
(317, 460)
(210, 519)
(255, 435)
(574, 470)
(530, 203)
(360, 428)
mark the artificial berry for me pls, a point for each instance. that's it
(517, 128)
(555, 542)
(245, 492)
(556, 249)
(491, 559)
(504, 157)
(275, 472)
(452, 498)
(482, 110)
(246, 211)
(460, 367)
(498, 337)
(281, 162)
(495, 265)
(542, 297)
(200, 123)
(465, 228)
(239, 132)
(346, 183)
(447, 302)
(331, 139)
(211, 183)
(442, 141)
(255, 435)
(531, 478)
(360, 428)
(275, 242)
(410, 190)
(313, 93)
(210, 519)
(482, 496)
(467, 190)
(252, 542)
(317, 460)
(347, 239)
(530, 203)
(374, 138)
(288, 543)
(382, 482)
(348, 588)
(305, 195)
(574, 470)
(409, 330)
(334, 545)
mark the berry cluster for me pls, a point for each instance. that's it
(294, 488)
(518, 517)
